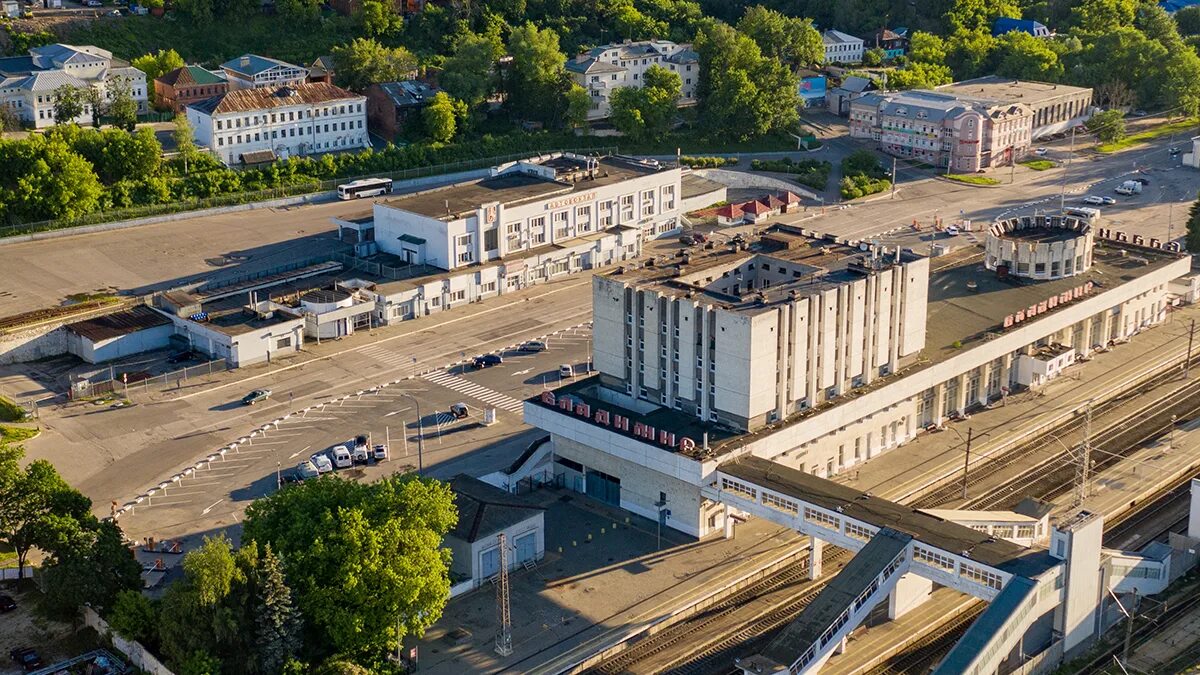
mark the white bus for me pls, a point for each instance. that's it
(1084, 213)
(367, 187)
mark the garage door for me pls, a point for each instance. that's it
(489, 563)
(526, 547)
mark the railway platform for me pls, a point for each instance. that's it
(596, 586)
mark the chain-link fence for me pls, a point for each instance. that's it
(131, 383)
(302, 188)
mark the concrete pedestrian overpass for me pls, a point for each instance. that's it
(1039, 597)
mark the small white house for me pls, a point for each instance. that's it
(120, 334)
(842, 47)
(485, 512)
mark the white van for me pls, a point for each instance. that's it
(566, 371)
(341, 457)
(952, 230)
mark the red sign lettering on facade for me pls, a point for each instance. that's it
(604, 418)
(1052, 302)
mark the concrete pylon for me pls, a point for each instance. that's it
(816, 548)
(911, 590)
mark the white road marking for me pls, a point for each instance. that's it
(210, 508)
(465, 386)
(524, 372)
(397, 412)
(304, 449)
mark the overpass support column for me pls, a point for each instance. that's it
(1106, 328)
(1005, 371)
(910, 591)
(985, 376)
(1085, 343)
(728, 523)
(816, 548)
(960, 394)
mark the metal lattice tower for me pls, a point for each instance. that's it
(504, 637)
(1083, 466)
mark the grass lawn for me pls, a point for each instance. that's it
(971, 179)
(1150, 135)
(10, 412)
(15, 434)
(1038, 164)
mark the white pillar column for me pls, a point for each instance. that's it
(910, 591)
(728, 523)
(816, 548)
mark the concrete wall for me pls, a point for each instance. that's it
(121, 346)
(745, 179)
(134, 651)
(33, 344)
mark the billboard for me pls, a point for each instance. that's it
(812, 89)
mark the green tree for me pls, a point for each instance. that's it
(631, 24)
(537, 75)
(1109, 125)
(968, 52)
(134, 617)
(37, 507)
(469, 75)
(200, 11)
(927, 48)
(121, 106)
(91, 566)
(278, 621)
(379, 19)
(578, 105)
(1187, 20)
(157, 64)
(647, 112)
(793, 40)
(1192, 242)
(1120, 55)
(873, 57)
(93, 103)
(68, 104)
(376, 563)
(1098, 16)
(1024, 57)
(185, 143)
(365, 61)
(1156, 24)
(42, 178)
(439, 118)
(9, 121)
(976, 16)
(919, 75)
(299, 10)
(743, 93)
(1181, 82)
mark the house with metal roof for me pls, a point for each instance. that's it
(124, 333)
(484, 513)
(1005, 24)
(183, 86)
(623, 64)
(842, 47)
(28, 83)
(390, 105)
(251, 71)
(256, 125)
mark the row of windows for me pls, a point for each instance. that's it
(290, 132)
(289, 116)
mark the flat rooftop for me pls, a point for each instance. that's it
(120, 323)
(692, 185)
(729, 276)
(517, 187)
(924, 527)
(232, 317)
(1041, 235)
(1008, 90)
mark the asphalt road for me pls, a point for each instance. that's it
(215, 497)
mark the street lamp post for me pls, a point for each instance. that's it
(420, 435)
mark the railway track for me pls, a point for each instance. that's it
(683, 650)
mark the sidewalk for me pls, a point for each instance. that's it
(901, 473)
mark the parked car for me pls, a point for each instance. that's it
(1093, 199)
(952, 230)
(1138, 113)
(1041, 152)
(321, 462)
(1143, 180)
(699, 237)
(381, 452)
(341, 457)
(181, 357)
(256, 396)
(459, 410)
(362, 451)
(486, 360)
(566, 370)
(533, 346)
(686, 240)
(302, 472)
(114, 13)
(738, 239)
(26, 657)
(1174, 152)
(7, 604)
(93, 3)
(1108, 200)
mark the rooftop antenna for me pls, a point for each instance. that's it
(504, 637)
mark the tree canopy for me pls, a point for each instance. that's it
(743, 93)
(363, 559)
(790, 39)
(365, 61)
(645, 112)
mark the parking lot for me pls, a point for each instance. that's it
(412, 416)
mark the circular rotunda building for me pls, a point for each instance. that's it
(1040, 247)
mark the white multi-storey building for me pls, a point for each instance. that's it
(841, 47)
(605, 68)
(28, 83)
(258, 125)
(251, 71)
(527, 205)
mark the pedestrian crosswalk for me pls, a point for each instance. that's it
(393, 359)
(465, 386)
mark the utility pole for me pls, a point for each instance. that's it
(893, 178)
(504, 637)
(1128, 632)
(1187, 364)
(967, 462)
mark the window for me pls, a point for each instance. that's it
(458, 295)
(491, 239)
(647, 202)
(283, 343)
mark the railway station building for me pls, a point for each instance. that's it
(819, 355)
